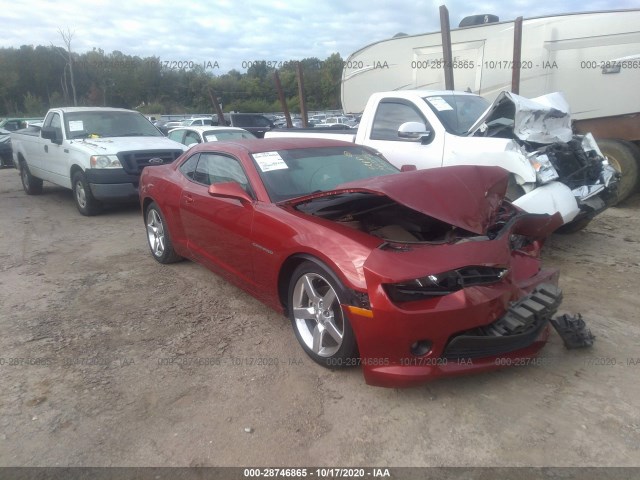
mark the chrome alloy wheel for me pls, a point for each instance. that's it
(155, 232)
(318, 315)
(81, 195)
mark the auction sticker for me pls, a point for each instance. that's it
(268, 161)
(439, 103)
(76, 126)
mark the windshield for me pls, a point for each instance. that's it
(457, 113)
(98, 124)
(294, 173)
(214, 135)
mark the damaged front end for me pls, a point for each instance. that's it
(455, 284)
(564, 163)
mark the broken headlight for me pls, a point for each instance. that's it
(443, 283)
(545, 171)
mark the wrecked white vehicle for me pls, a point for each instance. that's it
(551, 169)
(571, 174)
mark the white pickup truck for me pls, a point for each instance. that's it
(552, 170)
(97, 152)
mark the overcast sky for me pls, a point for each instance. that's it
(232, 32)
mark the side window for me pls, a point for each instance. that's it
(389, 117)
(176, 135)
(262, 121)
(213, 168)
(55, 121)
(188, 167)
(191, 137)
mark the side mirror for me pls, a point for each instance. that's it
(230, 190)
(52, 133)
(408, 168)
(414, 131)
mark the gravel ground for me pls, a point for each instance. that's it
(109, 358)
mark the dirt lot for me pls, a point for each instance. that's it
(103, 360)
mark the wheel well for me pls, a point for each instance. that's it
(289, 265)
(74, 169)
(147, 201)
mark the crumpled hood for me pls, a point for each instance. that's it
(463, 196)
(545, 119)
(113, 145)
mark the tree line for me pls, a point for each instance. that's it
(34, 79)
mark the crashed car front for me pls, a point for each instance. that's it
(456, 285)
(561, 171)
(464, 308)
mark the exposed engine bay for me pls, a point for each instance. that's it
(382, 217)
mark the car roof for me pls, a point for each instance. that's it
(260, 145)
(208, 128)
(423, 93)
(93, 109)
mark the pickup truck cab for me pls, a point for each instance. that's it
(551, 169)
(98, 153)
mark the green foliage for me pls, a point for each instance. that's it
(34, 79)
(33, 106)
(151, 108)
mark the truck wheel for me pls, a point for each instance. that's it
(158, 236)
(574, 226)
(85, 201)
(624, 156)
(32, 185)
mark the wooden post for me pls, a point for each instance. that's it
(445, 31)
(517, 55)
(214, 100)
(303, 106)
(283, 100)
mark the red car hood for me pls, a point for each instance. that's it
(463, 196)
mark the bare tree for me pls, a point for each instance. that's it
(67, 36)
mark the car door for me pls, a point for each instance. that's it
(54, 157)
(218, 230)
(383, 136)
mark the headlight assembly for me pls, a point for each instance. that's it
(105, 161)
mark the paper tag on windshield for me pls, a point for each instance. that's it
(268, 161)
(439, 103)
(76, 126)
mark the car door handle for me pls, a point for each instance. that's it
(188, 199)
(46, 148)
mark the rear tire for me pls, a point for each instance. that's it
(85, 201)
(158, 237)
(31, 185)
(625, 157)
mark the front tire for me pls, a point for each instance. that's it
(624, 156)
(158, 236)
(31, 185)
(574, 226)
(315, 310)
(84, 199)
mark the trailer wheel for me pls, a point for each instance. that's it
(625, 157)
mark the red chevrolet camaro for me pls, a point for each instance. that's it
(412, 275)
